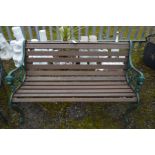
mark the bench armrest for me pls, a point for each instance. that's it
(12, 75)
(135, 78)
(15, 78)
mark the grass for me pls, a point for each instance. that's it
(99, 115)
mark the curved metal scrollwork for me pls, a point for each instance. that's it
(135, 78)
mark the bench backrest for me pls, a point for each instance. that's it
(48, 58)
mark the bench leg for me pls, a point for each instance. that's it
(131, 108)
(3, 117)
(15, 107)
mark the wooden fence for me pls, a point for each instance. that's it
(135, 33)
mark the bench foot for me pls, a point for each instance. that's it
(3, 118)
(15, 107)
(131, 108)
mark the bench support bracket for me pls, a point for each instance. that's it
(130, 109)
(16, 108)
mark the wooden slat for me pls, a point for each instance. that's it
(109, 78)
(51, 45)
(74, 67)
(40, 95)
(77, 53)
(75, 73)
(106, 83)
(76, 59)
(127, 100)
(73, 87)
(75, 91)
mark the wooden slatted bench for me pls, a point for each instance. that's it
(53, 72)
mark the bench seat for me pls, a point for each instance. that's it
(75, 89)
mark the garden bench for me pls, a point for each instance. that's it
(44, 78)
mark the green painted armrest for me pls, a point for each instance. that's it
(136, 75)
(10, 77)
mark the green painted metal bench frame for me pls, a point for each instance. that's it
(134, 77)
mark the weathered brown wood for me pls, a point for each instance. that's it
(85, 83)
(38, 95)
(76, 53)
(114, 100)
(77, 78)
(73, 87)
(76, 59)
(49, 45)
(74, 91)
(75, 73)
(74, 67)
